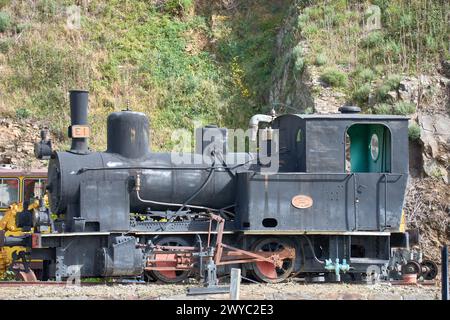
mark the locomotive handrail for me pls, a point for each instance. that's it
(83, 170)
(174, 204)
(335, 173)
(354, 201)
(385, 201)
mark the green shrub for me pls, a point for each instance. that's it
(372, 40)
(406, 20)
(414, 131)
(328, 11)
(393, 81)
(297, 53)
(321, 59)
(337, 19)
(311, 29)
(49, 101)
(334, 77)
(361, 94)
(5, 21)
(314, 13)
(404, 108)
(437, 173)
(379, 69)
(431, 43)
(302, 20)
(22, 27)
(366, 75)
(177, 6)
(383, 108)
(309, 110)
(47, 8)
(299, 64)
(381, 93)
(5, 44)
(447, 55)
(392, 49)
(4, 3)
(23, 113)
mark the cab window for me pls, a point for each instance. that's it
(29, 186)
(9, 191)
(368, 148)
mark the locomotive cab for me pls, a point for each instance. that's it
(344, 163)
(340, 181)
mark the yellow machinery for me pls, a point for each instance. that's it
(17, 187)
(9, 226)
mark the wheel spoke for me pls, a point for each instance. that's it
(266, 271)
(170, 276)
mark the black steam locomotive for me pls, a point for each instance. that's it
(332, 207)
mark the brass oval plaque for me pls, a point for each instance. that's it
(302, 202)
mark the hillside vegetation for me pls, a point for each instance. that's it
(182, 61)
(177, 61)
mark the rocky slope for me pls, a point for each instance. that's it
(17, 138)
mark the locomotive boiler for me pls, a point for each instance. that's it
(91, 188)
(333, 206)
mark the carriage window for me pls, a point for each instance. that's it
(368, 148)
(9, 191)
(30, 188)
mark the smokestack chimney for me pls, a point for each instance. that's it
(79, 129)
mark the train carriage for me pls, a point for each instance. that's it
(17, 185)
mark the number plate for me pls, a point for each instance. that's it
(79, 131)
